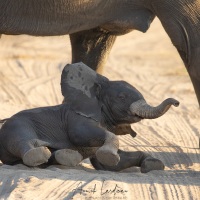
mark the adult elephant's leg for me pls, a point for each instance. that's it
(196, 84)
(91, 47)
(130, 159)
(180, 20)
(194, 71)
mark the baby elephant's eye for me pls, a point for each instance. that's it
(122, 96)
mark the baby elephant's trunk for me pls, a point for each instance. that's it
(143, 110)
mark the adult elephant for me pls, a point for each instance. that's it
(94, 24)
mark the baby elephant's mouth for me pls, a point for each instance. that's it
(139, 116)
(136, 118)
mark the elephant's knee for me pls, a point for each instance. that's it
(141, 156)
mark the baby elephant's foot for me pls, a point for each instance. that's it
(68, 157)
(36, 156)
(107, 156)
(150, 164)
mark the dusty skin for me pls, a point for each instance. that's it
(30, 70)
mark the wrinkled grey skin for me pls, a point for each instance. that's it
(85, 126)
(93, 25)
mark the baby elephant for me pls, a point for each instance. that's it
(94, 111)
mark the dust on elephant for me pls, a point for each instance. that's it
(85, 126)
(93, 25)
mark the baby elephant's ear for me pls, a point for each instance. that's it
(79, 87)
(78, 79)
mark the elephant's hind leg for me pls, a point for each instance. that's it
(68, 157)
(130, 159)
(36, 156)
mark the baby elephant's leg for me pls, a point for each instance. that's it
(22, 143)
(34, 152)
(68, 157)
(36, 156)
(88, 135)
(130, 159)
(150, 163)
(107, 154)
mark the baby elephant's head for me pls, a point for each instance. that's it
(91, 94)
(127, 105)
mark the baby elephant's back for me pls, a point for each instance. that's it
(14, 129)
(45, 124)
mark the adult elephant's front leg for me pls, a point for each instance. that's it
(129, 159)
(180, 20)
(194, 71)
(91, 47)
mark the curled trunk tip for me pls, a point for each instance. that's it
(176, 103)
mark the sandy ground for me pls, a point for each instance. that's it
(30, 71)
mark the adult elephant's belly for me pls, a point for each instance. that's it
(40, 27)
(43, 19)
(125, 22)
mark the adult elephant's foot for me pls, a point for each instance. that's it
(150, 164)
(107, 156)
(36, 156)
(68, 157)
